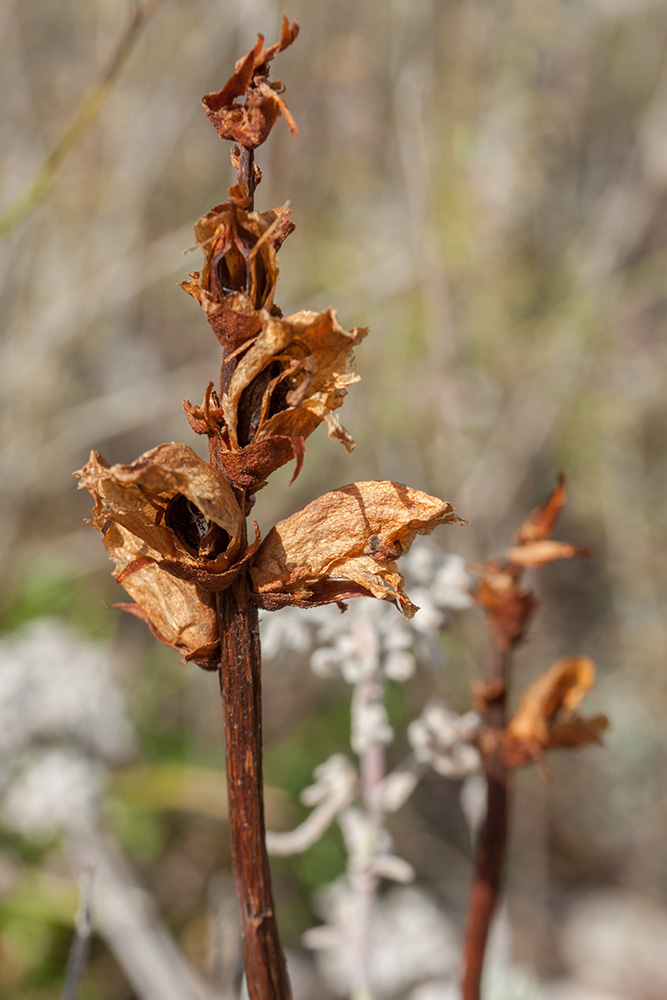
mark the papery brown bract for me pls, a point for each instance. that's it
(303, 364)
(137, 496)
(171, 524)
(294, 374)
(546, 717)
(498, 590)
(535, 547)
(507, 606)
(532, 555)
(239, 260)
(541, 521)
(345, 544)
(178, 612)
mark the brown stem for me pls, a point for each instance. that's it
(492, 839)
(247, 172)
(240, 683)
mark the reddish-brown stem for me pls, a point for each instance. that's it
(240, 682)
(247, 172)
(492, 838)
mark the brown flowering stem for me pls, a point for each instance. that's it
(240, 683)
(492, 839)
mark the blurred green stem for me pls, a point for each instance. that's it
(86, 112)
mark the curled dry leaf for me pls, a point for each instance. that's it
(541, 521)
(547, 714)
(345, 544)
(543, 551)
(251, 123)
(172, 526)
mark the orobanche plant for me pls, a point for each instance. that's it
(176, 526)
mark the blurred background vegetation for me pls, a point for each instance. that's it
(485, 186)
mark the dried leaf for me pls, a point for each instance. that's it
(546, 716)
(538, 553)
(249, 125)
(345, 544)
(541, 521)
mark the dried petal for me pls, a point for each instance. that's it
(345, 544)
(546, 716)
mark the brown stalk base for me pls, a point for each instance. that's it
(240, 683)
(491, 842)
(489, 858)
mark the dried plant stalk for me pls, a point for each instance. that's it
(546, 716)
(241, 687)
(175, 526)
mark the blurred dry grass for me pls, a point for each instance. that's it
(484, 185)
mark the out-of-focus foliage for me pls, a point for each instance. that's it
(484, 186)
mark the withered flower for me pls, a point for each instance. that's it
(282, 375)
(546, 716)
(171, 524)
(250, 123)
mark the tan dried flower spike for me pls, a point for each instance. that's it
(175, 526)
